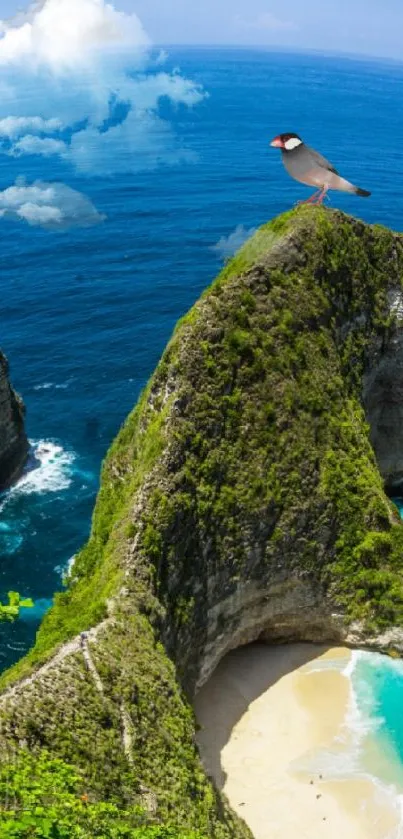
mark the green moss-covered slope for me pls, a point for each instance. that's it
(246, 469)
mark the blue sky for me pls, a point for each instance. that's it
(358, 26)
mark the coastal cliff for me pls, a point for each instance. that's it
(13, 440)
(242, 500)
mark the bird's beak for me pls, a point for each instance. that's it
(277, 143)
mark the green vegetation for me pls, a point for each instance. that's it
(44, 798)
(275, 429)
(66, 715)
(11, 610)
(247, 460)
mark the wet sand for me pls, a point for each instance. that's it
(264, 717)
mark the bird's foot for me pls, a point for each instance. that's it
(317, 198)
(322, 197)
(311, 200)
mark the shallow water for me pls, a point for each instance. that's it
(369, 745)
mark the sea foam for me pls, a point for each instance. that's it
(364, 724)
(50, 468)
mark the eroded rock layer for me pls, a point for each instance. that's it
(242, 500)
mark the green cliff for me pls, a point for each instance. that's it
(241, 500)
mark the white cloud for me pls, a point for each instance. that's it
(85, 69)
(45, 146)
(66, 34)
(266, 22)
(162, 57)
(228, 245)
(50, 205)
(149, 89)
(134, 145)
(37, 214)
(12, 127)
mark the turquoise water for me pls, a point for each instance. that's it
(399, 505)
(377, 682)
(368, 745)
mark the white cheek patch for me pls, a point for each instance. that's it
(292, 143)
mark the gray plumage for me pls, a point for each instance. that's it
(307, 166)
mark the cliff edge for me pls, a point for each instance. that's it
(13, 440)
(243, 499)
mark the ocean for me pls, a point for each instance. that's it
(366, 754)
(92, 286)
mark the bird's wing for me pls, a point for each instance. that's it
(321, 161)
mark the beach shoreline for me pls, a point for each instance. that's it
(266, 715)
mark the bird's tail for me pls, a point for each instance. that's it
(363, 192)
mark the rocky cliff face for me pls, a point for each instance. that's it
(383, 398)
(242, 500)
(13, 441)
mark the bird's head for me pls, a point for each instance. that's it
(286, 142)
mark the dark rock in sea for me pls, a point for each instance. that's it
(13, 440)
(241, 501)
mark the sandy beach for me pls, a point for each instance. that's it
(264, 718)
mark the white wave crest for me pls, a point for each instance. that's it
(65, 570)
(51, 469)
(48, 385)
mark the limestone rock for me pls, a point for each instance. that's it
(13, 440)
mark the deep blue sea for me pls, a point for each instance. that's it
(87, 306)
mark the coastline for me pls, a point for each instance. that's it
(273, 723)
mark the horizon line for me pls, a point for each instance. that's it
(283, 49)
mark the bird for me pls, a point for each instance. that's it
(309, 167)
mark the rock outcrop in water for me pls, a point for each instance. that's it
(242, 500)
(13, 440)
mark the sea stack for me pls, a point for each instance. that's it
(13, 439)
